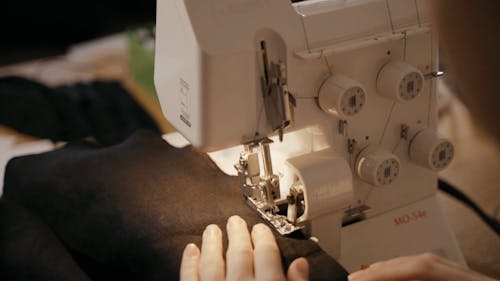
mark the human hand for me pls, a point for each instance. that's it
(424, 267)
(252, 256)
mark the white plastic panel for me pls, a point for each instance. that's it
(349, 21)
(420, 227)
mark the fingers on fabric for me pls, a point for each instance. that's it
(425, 267)
(267, 260)
(189, 263)
(239, 254)
(245, 260)
(211, 266)
(298, 270)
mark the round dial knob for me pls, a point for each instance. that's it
(377, 167)
(400, 81)
(341, 96)
(429, 150)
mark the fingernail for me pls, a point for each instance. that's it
(191, 250)
(211, 230)
(259, 227)
(353, 275)
(303, 269)
(357, 274)
(234, 220)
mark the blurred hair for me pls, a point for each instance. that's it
(470, 37)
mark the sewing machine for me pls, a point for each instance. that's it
(328, 108)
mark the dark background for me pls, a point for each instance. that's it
(34, 29)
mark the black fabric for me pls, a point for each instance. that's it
(132, 208)
(102, 110)
(29, 250)
(25, 106)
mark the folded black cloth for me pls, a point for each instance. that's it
(102, 110)
(131, 208)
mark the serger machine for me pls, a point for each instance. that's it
(332, 106)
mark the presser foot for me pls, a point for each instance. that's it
(278, 221)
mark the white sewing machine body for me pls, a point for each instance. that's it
(356, 101)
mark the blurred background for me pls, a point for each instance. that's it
(35, 29)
